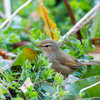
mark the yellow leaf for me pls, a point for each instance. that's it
(50, 26)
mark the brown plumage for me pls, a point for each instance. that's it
(62, 62)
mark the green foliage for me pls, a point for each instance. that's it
(78, 49)
(95, 30)
(92, 30)
(30, 91)
(8, 37)
(40, 74)
(58, 80)
(92, 92)
(25, 55)
(37, 35)
(47, 84)
(3, 90)
(92, 71)
(61, 16)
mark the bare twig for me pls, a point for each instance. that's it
(89, 87)
(72, 17)
(70, 11)
(6, 87)
(80, 22)
(83, 19)
(9, 18)
(92, 16)
(97, 98)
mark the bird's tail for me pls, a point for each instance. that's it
(90, 63)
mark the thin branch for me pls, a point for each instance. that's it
(70, 12)
(92, 16)
(97, 98)
(6, 87)
(9, 18)
(83, 19)
(80, 22)
(89, 87)
(72, 17)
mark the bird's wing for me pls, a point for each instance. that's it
(72, 64)
(70, 61)
(65, 70)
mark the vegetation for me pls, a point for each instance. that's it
(25, 72)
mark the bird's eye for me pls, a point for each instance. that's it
(47, 46)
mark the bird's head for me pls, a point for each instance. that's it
(48, 46)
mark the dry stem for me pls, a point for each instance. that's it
(81, 21)
(6, 87)
(89, 87)
(9, 18)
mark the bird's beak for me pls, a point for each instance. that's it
(37, 46)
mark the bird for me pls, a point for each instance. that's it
(61, 61)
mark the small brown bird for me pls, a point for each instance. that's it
(62, 62)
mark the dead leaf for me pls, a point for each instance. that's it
(26, 84)
(50, 26)
(4, 56)
(22, 43)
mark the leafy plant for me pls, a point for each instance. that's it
(45, 83)
(78, 49)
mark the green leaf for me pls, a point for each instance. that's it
(3, 90)
(95, 30)
(30, 94)
(26, 54)
(11, 87)
(75, 88)
(13, 38)
(34, 94)
(47, 87)
(92, 71)
(67, 50)
(58, 79)
(15, 84)
(18, 98)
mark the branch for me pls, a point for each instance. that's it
(80, 27)
(6, 87)
(70, 11)
(80, 22)
(9, 18)
(89, 87)
(72, 17)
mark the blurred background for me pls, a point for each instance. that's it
(29, 17)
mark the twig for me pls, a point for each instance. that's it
(81, 21)
(70, 11)
(89, 87)
(6, 87)
(9, 18)
(91, 17)
(72, 17)
(97, 98)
